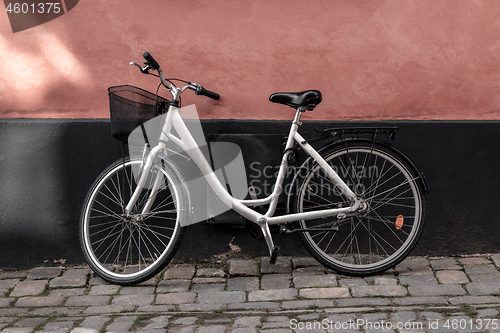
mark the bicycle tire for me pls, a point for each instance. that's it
(389, 229)
(124, 250)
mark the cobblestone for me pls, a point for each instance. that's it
(30, 322)
(68, 281)
(87, 300)
(67, 292)
(476, 288)
(5, 302)
(95, 322)
(436, 290)
(42, 273)
(243, 268)
(328, 280)
(77, 272)
(305, 262)
(176, 298)
(98, 309)
(307, 304)
(173, 286)
(375, 301)
(480, 269)
(247, 321)
(143, 290)
(208, 280)
(103, 290)
(444, 264)
(496, 259)
(13, 275)
(324, 292)
(272, 295)
(40, 301)
(436, 300)
(29, 288)
(180, 273)
(8, 284)
(282, 266)
(350, 282)
(222, 297)
(487, 313)
(120, 326)
(381, 290)
(413, 265)
(134, 300)
(275, 281)
(385, 281)
(210, 273)
(243, 283)
(474, 300)
(254, 305)
(308, 271)
(418, 290)
(418, 279)
(205, 288)
(473, 261)
(486, 278)
(63, 326)
(449, 276)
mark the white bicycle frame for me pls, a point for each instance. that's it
(189, 145)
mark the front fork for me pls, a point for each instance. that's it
(146, 169)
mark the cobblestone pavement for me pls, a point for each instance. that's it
(459, 294)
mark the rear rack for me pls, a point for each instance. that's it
(355, 131)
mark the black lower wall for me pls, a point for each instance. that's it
(47, 166)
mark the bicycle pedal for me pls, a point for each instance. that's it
(274, 255)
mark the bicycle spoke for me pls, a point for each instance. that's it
(111, 214)
(373, 239)
(131, 246)
(101, 241)
(383, 202)
(116, 241)
(373, 234)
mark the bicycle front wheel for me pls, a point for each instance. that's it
(385, 233)
(128, 249)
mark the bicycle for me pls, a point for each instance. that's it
(357, 204)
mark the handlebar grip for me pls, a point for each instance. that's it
(149, 58)
(209, 93)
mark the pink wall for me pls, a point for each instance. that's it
(372, 59)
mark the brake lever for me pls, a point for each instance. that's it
(144, 70)
(197, 87)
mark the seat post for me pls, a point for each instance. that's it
(294, 128)
(296, 120)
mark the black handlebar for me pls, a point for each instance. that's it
(149, 58)
(208, 93)
(198, 90)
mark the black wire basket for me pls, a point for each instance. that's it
(130, 107)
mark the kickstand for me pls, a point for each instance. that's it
(273, 250)
(274, 254)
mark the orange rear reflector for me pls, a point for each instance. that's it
(399, 222)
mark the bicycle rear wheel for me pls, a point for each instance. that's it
(130, 249)
(385, 233)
